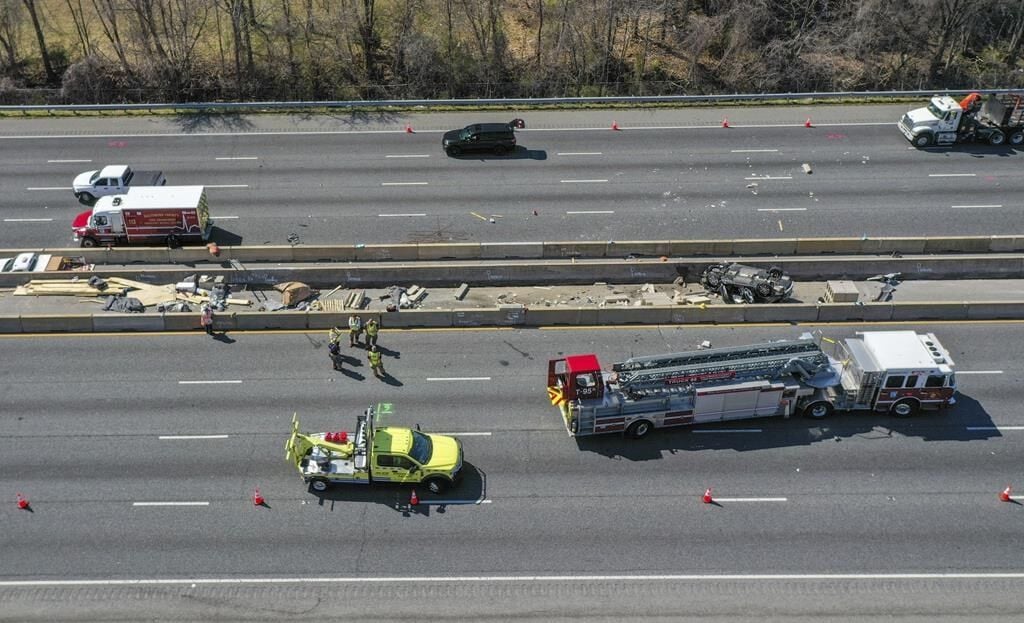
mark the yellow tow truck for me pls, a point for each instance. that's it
(375, 454)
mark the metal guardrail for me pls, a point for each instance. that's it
(542, 101)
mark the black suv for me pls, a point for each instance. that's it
(499, 138)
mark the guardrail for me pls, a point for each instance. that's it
(514, 102)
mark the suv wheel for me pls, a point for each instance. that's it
(454, 151)
(500, 150)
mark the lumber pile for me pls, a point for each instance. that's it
(147, 293)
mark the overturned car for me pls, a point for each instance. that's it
(738, 283)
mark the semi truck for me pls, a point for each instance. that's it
(170, 215)
(375, 454)
(899, 372)
(114, 179)
(997, 119)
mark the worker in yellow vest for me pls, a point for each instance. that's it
(375, 362)
(355, 327)
(372, 328)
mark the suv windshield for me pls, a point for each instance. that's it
(421, 448)
(464, 134)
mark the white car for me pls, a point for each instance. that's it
(25, 263)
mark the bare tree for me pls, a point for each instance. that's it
(51, 74)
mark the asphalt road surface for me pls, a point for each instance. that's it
(667, 174)
(139, 455)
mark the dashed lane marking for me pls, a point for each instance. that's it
(237, 158)
(726, 430)
(459, 378)
(405, 214)
(28, 220)
(998, 428)
(466, 434)
(226, 185)
(170, 503)
(583, 181)
(952, 175)
(579, 153)
(753, 151)
(750, 499)
(404, 183)
(590, 211)
(214, 218)
(66, 161)
(782, 209)
(453, 502)
(965, 207)
(962, 372)
(407, 156)
(179, 437)
(770, 177)
(231, 382)
(48, 188)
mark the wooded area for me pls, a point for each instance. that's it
(101, 51)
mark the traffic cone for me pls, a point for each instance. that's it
(535, 213)
(807, 124)
(22, 502)
(408, 129)
(615, 125)
(707, 496)
(414, 499)
(1004, 495)
(257, 497)
(725, 122)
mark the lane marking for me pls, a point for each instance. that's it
(579, 153)
(68, 161)
(48, 188)
(233, 382)
(226, 185)
(27, 220)
(750, 499)
(406, 214)
(952, 175)
(590, 211)
(753, 151)
(528, 579)
(407, 156)
(726, 430)
(459, 378)
(404, 183)
(176, 437)
(583, 181)
(453, 502)
(999, 428)
(994, 205)
(170, 503)
(466, 434)
(222, 217)
(771, 177)
(782, 209)
(238, 158)
(959, 372)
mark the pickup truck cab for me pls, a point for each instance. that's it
(375, 454)
(113, 179)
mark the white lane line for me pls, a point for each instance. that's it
(404, 183)
(991, 205)
(528, 579)
(466, 434)
(226, 185)
(453, 502)
(222, 218)
(27, 220)
(959, 372)
(952, 175)
(751, 500)
(753, 151)
(176, 437)
(66, 161)
(407, 156)
(238, 158)
(590, 211)
(726, 430)
(458, 378)
(782, 209)
(999, 428)
(771, 177)
(583, 181)
(233, 382)
(48, 188)
(579, 153)
(405, 214)
(170, 503)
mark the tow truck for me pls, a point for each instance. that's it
(997, 120)
(375, 454)
(900, 372)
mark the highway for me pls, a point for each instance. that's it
(139, 455)
(665, 174)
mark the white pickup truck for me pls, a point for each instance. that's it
(114, 179)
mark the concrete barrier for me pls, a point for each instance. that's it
(502, 250)
(419, 318)
(653, 248)
(268, 253)
(109, 322)
(848, 312)
(958, 244)
(887, 246)
(764, 246)
(551, 316)
(1006, 244)
(943, 310)
(56, 323)
(634, 315)
(710, 314)
(387, 252)
(820, 246)
(10, 324)
(780, 313)
(452, 251)
(687, 248)
(340, 253)
(185, 321)
(995, 310)
(480, 318)
(270, 320)
(562, 250)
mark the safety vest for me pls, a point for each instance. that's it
(355, 323)
(334, 336)
(374, 358)
(372, 328)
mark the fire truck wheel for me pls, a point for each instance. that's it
(89, 243)
(437, 485)
(639, 429)
(818, 410)
(905, 408)
(319, 484)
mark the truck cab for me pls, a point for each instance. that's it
(937, 123)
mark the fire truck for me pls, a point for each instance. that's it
(900, 372)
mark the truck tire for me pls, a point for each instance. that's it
(818, 410)
(996, 138)
(923, 139)
(319, 484)
(905, 408)
(1017, 137)
(639, 429)
(89, 243)
(437, 485)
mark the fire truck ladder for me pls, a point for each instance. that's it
(803, 358)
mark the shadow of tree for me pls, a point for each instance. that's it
(209, 121)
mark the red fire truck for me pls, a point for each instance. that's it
(900, 372)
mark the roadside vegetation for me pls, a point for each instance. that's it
(148, 51)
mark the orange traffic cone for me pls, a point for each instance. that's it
(725, 122)
(408, 129)
(414, 499)
(615, 125)
(1004, 495)
(707, 496)
(22, 502)
(807, 124)
(257, 497)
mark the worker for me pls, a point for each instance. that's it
(375, 362)
(372, 328)
(334, 347)
(355, 327)
(334, 335)
(206, 320)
